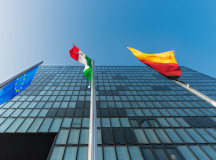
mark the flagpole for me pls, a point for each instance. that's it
(92, 147)
(199, 94)
(18, 75)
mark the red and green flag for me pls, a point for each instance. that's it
(165, 63)
(79, 56)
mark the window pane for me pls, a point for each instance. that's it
(212, 132)
(124, 122)
(99, 140)
(84, 136)
(109, 153)
(195, 135)
(135, 153)
(105, 122)
(147, 153)
(57, 153)
(118, 136)
(209, 150)
(6, 123)
(129, 136)
(172, 122)
(107, 136)
(85, 122)
(66, 123)
(43, 113)
(45, 125)
(175, 138)
(160, 153)
(122, 153)
(115, 122)
(99, 153)
(185, 151)
(15, 125)
(62, 136)
(74, 136)
(173, 153)
(182, 122)
(162, 136)
(7, 113)
(35, 125)
(16, 113)
(186, 138)
(34, 112)
(76, 122)
(25, 125)
(55, 125)
(140, 136)
(204, 134)
(82, 153)
(198, 152)
(163, 122)
(151, 136)
(70, 153)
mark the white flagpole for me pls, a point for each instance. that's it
(92, 146)
(199, 94)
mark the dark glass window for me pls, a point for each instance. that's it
(129, 136)
(52, 112)
(148, 153)
(118, 136)
(69, 113)
(107, 136)
(161, 155)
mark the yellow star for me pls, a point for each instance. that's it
(15, 83)
(16, 90)
(22, 83)
(20, 87)
(17, 78)
(23, 78)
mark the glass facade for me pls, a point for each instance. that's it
(140, 114)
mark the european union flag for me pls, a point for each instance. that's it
(16, 86)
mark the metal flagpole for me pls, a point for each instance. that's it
(92, 147)
(18, 75)
(199, 94)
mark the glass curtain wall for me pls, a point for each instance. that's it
(140, 114)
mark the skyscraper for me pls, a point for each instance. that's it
(141, 115)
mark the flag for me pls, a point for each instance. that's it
(165, 63)
(16, 86)
(79, 56)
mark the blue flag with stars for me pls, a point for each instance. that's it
(16, 86)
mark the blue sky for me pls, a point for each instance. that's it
(32, 31)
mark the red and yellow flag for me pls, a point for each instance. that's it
(165, 63)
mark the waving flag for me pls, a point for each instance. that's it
(165, 63)
(11, 89)
(79, 56)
